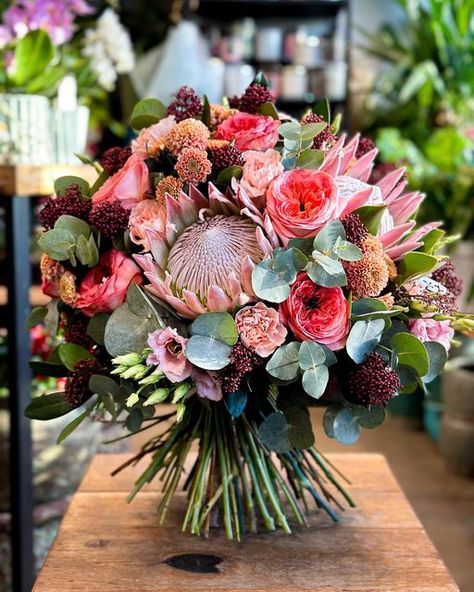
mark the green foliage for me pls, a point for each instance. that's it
(236, 402)
(364, 338)
(215, 325)
(48, 407)
(71, 353)
(35, 317)
(75, 423)
(33, 54)
(147, 112)
(344, 422)
(225, 176)
(284, 365)
(411, 352)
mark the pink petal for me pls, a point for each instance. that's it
(263, 242)
(193, 302)
(235, 286)
(392, 236)
(349, 153)
(398, 252)
(217, 300)
(424, 230)
(363, 167)
(405, 206)
(389, 182)
(180, 307)
(247, 269)
(359, 199)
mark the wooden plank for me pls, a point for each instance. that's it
(34, 180)
(37, 298)
(108, 546)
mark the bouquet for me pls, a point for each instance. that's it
(229, 270)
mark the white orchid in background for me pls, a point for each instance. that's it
(109, 48)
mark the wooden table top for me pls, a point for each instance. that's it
(35, 180)
(108, 546)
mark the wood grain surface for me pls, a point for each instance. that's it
(34, 180)
(107, 545)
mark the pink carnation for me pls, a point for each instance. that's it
(128, 185)
(150, 137)
(168, 354)
(147, 218)
(250, 132)
(207, 384)
(260, 329)
(260, 169)
(431, 330)
(300, 202)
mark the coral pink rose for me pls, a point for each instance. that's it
(300, 202)
(260, 329)
(431, 330)
(260, 169)
(128, 185)
(150, 138)
(104, 287)
(249, 132)
(168, 354)
(207, 384)
(147, 218)
(316, 314)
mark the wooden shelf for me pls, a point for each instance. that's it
(34, 180)
(37, 298)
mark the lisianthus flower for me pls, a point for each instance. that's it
(128, 185)
(315, 313)
(207, 384)
(105, 286)
(431, 330)
(260, 168)
(249, 132)
(260, 329)
(300, 202)
(168, 354)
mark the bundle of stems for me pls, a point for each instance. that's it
(233, 479)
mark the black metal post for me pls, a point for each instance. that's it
(18, 240)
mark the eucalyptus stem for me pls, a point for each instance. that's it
(249, 503)
(293, 502)
(330, 476)
(224, 478)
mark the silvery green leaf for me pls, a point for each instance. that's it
(300, 430)
(75, 225)
(311, 355)
(269, 284)
(290, 131)
(218, 325)
(345, 427)
(94, 251)
(330, 265)
(438, 357)
(289, 162)
(126, 332)
(315, 381)
(273, 432)
(322, 278)
(329, 355)
(284, 364)
(305, 245)
(56, 242)
(288, 263)
(327, 237)
(83, 251)
(328, 419)
(363, 338)
(369, 418)
(311, 130)
(310, 159)
(208, 353)
(347, 251)
(96, 327)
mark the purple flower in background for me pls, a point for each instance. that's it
(56, 17)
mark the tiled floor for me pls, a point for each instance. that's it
(443, 502)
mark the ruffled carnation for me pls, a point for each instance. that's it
(260, 168)
(315, 313)
(168, 354)
(193, 166)
(431, 330)
(260, 329)
(300, 202)
(250, 132)
(147, 218)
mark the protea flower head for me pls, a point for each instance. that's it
(203, 260)
(352, 175)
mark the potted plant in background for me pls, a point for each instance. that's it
(53, 55)
(421, 114)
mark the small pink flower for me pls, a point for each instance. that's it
(260, 329)
(168, 354)
(146, 218)
(260, 169)
(207, 385)
(250, 132)
(301, 201)
(151, 138)
(431, 330)
(128, 185)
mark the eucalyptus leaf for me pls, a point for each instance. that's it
(322, 278)
(269, 284)
(315, 381)
(327, 237)
(51, 320)
(363, 338)
(146, 113)
(290, 131)
(411, 352)
(369, 418)
(284, 364)
(273, 432)
(310, 130)
(311, 355)
(126, 332)
(437, 356)
(310, 159)
(236, 402)
(328, 419)
(56, 242)
(345, 427)
(305, 245)
(96, 327)
(300, 431)
(347, 251)
(217, 325)
(134, 420)
(83, 251)
(63, 183)
(208, 353)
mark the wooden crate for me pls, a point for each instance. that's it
(108, 546)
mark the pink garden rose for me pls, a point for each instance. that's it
(315, 313)
(128, 185)
(207, 384)
(300, 202)
(146, 218)
(260, 329)
(260, 169)
(250, 132)
(431, 330)
(150, 137)
(168, 354)
(104, 287)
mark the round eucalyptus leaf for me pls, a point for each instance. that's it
(369, 418)
(411, 352)
(126, 332)
(219, 325)
(315, 381)
(437, 356)
(311, 355)
(273, 432)
(269, 284)
(345, 427)
(328, 419)
(363, 338)
(284, 364)
(208, 353)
